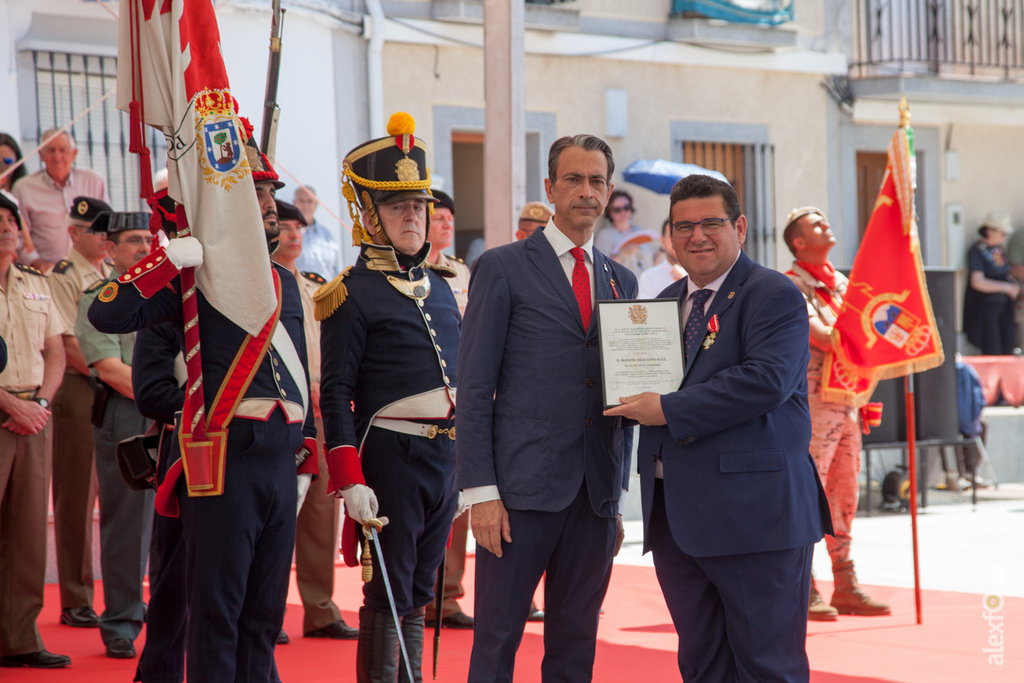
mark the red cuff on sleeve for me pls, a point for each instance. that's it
(343, 467)
(151, 274)
(311, 465)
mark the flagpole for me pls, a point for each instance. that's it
(908, 388)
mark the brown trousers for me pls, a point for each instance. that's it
(316, 548)
(74, 489)
(454, 570)
(24, 479)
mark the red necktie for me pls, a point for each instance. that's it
(581, 286)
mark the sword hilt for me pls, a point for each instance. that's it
(366, 560)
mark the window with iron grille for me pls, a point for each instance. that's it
(66, 85)
(748, 168)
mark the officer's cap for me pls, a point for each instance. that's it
(536, 211)
(289, 212)
(11, 204)
(86, 209)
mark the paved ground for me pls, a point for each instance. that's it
(962, 547)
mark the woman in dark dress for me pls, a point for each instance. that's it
(991, 292)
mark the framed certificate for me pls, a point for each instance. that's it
(641, 347)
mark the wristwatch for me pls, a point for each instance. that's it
(42, 401)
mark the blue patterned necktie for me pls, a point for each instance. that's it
(693, 328)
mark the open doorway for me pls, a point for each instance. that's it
(467, 188)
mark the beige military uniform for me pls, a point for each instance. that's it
(74, 484)
(459, 283)
(316, 530)
(28, 317)
(69, 279)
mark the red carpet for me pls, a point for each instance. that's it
(637, 643)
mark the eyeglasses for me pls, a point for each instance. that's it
(709, 226)
(136, 241)
(621, 209)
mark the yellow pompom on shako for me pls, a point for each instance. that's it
(383, 171)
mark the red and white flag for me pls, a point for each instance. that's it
(886, 327)
(170, 62)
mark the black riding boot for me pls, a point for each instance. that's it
(412, 632)
(377, 654)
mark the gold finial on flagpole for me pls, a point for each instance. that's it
(904, 112)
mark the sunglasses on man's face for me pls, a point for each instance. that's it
(621, 209)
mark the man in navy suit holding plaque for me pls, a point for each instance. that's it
(731, 498)
(540, 465)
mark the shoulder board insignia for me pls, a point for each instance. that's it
(62, 266)
(94, 286)
(330, 297)
(443, 270)
(315, 277)
(29, 269)
(456, 258)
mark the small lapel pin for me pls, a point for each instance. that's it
(731, 295)
(611, 281)
(606, 267)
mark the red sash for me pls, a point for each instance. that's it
(203, 461)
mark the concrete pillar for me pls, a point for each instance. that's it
(505, 119)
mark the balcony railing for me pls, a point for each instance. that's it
(959, 38)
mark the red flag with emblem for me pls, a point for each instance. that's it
(171, 76)
(886, 327)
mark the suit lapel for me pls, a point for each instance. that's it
(541, 253)
(724, 298)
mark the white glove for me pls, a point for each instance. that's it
(460, 507)
(360, 503)
(305, 479)
(185, 252)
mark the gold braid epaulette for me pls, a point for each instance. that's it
(329, 297)
(443, 269)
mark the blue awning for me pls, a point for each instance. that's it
(763, 12)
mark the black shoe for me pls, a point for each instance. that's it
(536, 615)
(458, 620)
(82, 617)
(282, 638)
(121, 648)
(37, 660)
(339, 630)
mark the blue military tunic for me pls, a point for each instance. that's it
(386, 353)
(239, 544)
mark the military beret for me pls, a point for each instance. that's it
(289, 212)
(86, 209)
(536, 211)
(443, 200)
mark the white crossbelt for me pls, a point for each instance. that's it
(412, 428)
(282, 343)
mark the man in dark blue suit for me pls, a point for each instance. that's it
(536, 459)
(731, 498)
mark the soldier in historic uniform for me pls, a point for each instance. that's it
(126, 516)
(389, 343)
(239, 543)
(74, 484)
